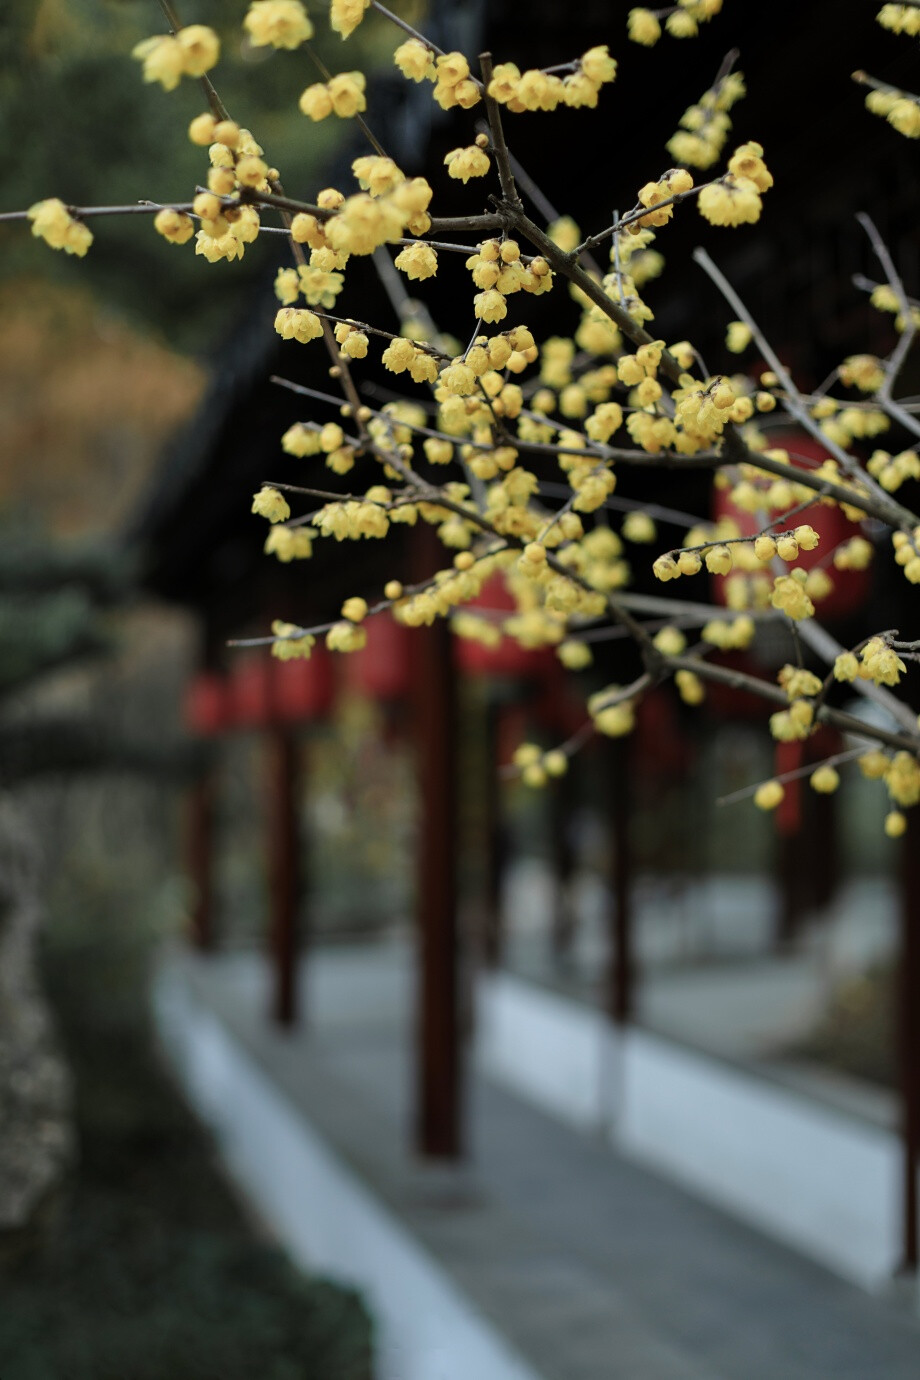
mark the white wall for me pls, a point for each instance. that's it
(320, 1212)
(814, 1178)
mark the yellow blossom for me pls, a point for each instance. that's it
(174, 226)
(417, 261)
(732, 201)
(874, 764)
(346, 15)
(279, 23)
(670, 641)
(415, 60)
(316, 101)
(638, 527)
(464, 163)
(574, 655)
(201, 129)
(768, 795)
(690, 687)
(355, 609)
(718, 560)
(398, 355)
(289, 544)
(346, 94)
(789, 595)
(904, 116)
(163, 60)
(881, 663)
(903, 779)
(846, 667)
(747, 163)
(895, 824)
(291, 643)
(200, 49)
(346, 637)
(738, 336)
(490, 306)
(301, 440)
(52, 222)
(294, 324)
(271, 504)
(825, 780)
(598, 66)
(644, 27)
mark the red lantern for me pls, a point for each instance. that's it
(508, 658)
(207, 707)
(824, 742)
(302, 688)
(251, 691)
(833, 527)
(382, 670)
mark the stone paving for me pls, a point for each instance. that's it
(592, 1267)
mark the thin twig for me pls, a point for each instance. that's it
(499, 147)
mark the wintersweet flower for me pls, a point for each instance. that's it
(163, 60)
(200, 49)
(644, 27)
(346, 15)
(271, 504)
(789, 595)
(415, 60)
(825, 780)
(465, 163)
(768, 795)
(417, 261)
(289, 645)
(277, 23)
(174, 226)
(52, 222)
(733, 201)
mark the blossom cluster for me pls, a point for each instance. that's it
(510, 443)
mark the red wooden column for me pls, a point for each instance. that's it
(493, 839)
(620, 977)
(284, 871)
(438, 1110)
(909, 1038)
(561, 800)
(201, 839)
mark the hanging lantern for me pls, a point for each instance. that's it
(251, 691)
(302, 688)
(508, 657)
(206, 709)
(850, 587)
(382, 670)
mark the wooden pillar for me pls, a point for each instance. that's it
(621, 970)
(560, 798)
(201, 840)
(493, 839)
(824, 855)
(792, 869)
(438, 1096)
(284, 871)
(909, 1039)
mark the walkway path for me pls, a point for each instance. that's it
(592, 1267)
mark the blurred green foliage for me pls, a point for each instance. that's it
(147, 1268)
(86, 128)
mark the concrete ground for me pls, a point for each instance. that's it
(592, 1267)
